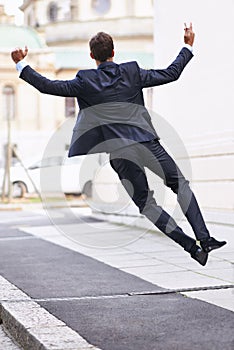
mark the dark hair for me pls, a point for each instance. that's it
(101, 45)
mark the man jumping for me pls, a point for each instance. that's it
(117, 88)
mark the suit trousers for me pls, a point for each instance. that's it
(130, 162)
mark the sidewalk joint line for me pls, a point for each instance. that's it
(182, 290)
(124, 295)
(17, 238)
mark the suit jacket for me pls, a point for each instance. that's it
(112, 112)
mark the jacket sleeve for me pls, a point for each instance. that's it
(155, 77)
(64, 88)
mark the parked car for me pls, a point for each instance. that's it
(71, 175)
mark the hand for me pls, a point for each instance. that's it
(18, 54)
(189, 34)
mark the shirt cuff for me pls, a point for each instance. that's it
(188, 47)
(21, 65)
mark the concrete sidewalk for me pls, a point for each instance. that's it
(128, 297)
(148, 255)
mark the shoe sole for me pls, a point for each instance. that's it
(204, 258)
(209, 248)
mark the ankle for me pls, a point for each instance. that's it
(194, 248)
(206, 239)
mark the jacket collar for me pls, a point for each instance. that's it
(106, 64)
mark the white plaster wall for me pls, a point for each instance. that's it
(201, 102)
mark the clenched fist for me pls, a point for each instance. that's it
(18, 54)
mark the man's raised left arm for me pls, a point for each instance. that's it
(64, 88)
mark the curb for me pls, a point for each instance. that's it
(33, 327)
(32, 206)
(11, 208)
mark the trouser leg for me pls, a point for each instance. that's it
(164, 166)
(135, 182)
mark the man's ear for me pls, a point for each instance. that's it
(91, 55)
(113, 53)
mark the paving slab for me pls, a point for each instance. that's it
(221, 297)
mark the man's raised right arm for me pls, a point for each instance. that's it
(155, 77)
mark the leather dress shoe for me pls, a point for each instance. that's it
(210, 244)
(199, 255)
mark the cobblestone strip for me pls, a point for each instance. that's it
(32, 326)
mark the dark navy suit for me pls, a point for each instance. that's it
(114, 85)
(113, 119)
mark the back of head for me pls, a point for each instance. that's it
(101, 46)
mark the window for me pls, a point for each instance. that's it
(52, 12)
(70, 107)
(8, 102)
(74, 9)
(101, 6)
